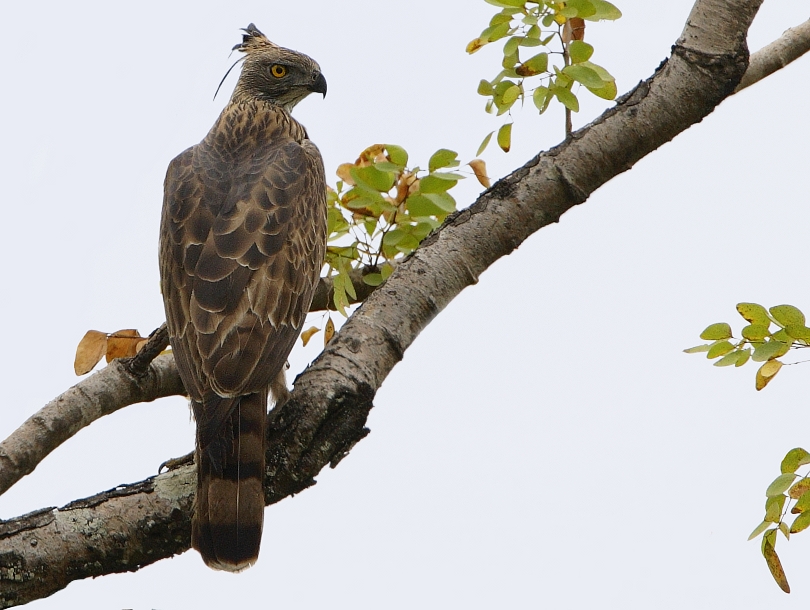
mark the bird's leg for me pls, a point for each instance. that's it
(173, 463)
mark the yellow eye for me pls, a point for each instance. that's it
(278, 70)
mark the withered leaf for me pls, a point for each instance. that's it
(307, 334)
(344, 173)
(89, 351)
(479, 168)
(328, 331)
(574, 29)
(122, 344)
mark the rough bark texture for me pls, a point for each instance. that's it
(129, 527)
(143, 378)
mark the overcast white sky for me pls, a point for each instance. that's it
(545, 443)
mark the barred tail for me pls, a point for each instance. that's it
(227, 525)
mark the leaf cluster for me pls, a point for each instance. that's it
(789, 492)
(769, 335)
(556, 27)
(380, 210)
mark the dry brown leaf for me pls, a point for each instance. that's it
(403, 185)
(139, 345)
(328, 331)
(479, 168)
(307, 334)
(89, 351)
(368, 156)
(574, 29)
(344, 172)
(122, 344)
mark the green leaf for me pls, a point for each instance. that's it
(500, 18)
(485, 88)
(511, 46)
(373, 279)
(434, 184)
(484, 144)
(583, 74)
(759, 529)
(715, 332)
(783, 527)
(443, 201)
(493, 33)
(800, 523)
(795, 458)
(541, 97)
(773, 508)
(534, 65)
(507, 3)
(798, 331)
(607, 92)
(697, 349)
(386, 270)
(755, 314)
(787, 315)
(511, 94)
(729, 359)
(372, 177)
(755, 332)
(579, 51)
(721, 348)
(744, 355)
(568, 99)
(407, 244)
(769, 350)
(606, 76)
(420, 205)
(584, 8)
(443, 158)
(802, 505)
(531, 42)
(780, 484)
(604, 11)
(397, 154)
(505, 137)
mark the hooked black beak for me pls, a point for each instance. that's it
(318, 85)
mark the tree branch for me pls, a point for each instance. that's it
(327, 411)
(794, 43)
(123, 382)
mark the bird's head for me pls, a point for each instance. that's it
(275, 74)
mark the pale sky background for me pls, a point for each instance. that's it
(545, 443)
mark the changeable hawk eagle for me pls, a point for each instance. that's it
(242, 242)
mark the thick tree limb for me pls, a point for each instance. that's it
(327, 411)
(794, 43)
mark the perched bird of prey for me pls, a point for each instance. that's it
(242, 241)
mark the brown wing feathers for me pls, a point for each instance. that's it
(242, 245)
